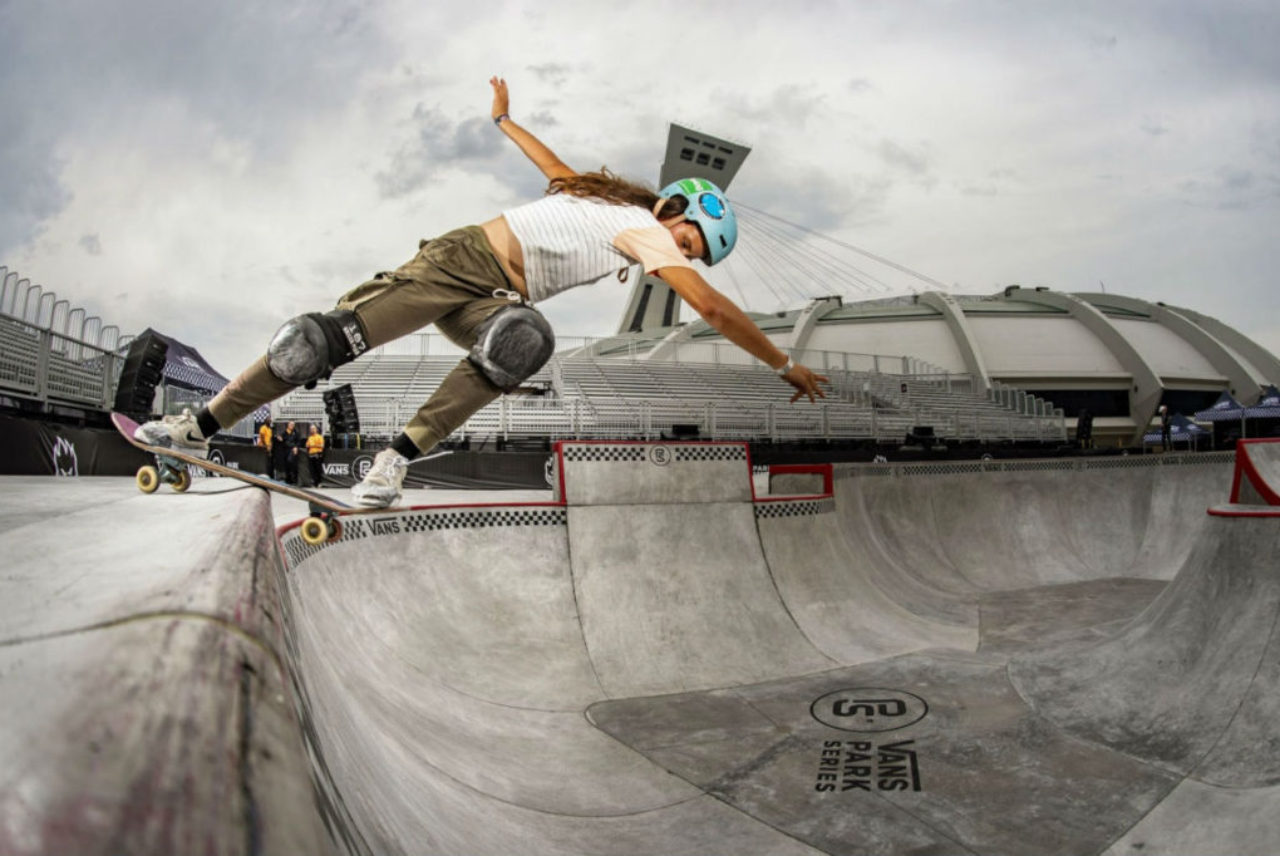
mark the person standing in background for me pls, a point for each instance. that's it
(315, 455)
(285, 446)
(264, 441)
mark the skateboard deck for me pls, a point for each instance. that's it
(171, 468)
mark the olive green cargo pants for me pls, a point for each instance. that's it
(450, 283)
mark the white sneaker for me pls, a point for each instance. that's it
(174, 432)
(381, 485)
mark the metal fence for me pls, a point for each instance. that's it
(893, 369)
(54, 367)
(513, 417)
(907, 470)
(30, 303)
(54, 352)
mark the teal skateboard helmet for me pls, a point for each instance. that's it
(710, 211)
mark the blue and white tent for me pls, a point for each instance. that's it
(1268, 406)
(1225, 409)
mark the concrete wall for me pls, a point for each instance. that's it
(144, 695)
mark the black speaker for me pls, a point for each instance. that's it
(143, 371)
(1084, 426)
(340, 406)
(684, 431)
(921, 435)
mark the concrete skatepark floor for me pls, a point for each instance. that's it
(1047, 658)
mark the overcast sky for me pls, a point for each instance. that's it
(212, 168)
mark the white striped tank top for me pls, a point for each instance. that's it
(567, 241)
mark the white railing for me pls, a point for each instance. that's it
(49, 366)
(30, 303)
(896, 369)
(686, 351)
(644, 418)
(876, 397)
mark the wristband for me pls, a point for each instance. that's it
(497, 120)
(786, 367)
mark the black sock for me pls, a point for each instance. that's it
(208, 425)
(405, 446)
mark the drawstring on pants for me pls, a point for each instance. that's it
(508, 294)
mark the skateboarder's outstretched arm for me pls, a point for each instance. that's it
(730, 321)
(543, 158)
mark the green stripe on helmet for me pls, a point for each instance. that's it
(710, 212)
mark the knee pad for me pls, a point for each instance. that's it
(309, 347)
(513, 343)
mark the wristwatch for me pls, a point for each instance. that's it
(786, 367)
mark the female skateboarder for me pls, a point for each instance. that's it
(479, 286)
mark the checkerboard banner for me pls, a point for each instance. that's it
(357, 527)
(795, 508)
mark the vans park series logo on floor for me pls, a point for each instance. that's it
(868, 763)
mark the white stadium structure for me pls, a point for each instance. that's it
(1119, 357)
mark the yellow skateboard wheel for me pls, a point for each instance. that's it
(315, 531)
(147, 479)
(183, 482)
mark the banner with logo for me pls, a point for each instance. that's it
(34, 447)
(465, 469)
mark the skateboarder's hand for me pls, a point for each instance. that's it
(501, 100)
(806, 382)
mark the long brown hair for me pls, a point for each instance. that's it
(616, 190)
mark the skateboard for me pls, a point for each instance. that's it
(172, 468)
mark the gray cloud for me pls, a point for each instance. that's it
(791, 103)
(1231, 188)
(91, 244)
(81, 69)
(1102, 43)
(541, 119)
(989, 189)
(438, 144)
(1153, 127)
(994, 183)
(553, 74)
(813, 198)
(1265, 143)
(30, 185)
(913, 160)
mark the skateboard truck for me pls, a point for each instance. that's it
(167, 470)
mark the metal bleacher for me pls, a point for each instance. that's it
(56, 357)
(579, 395)
(53, 353)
